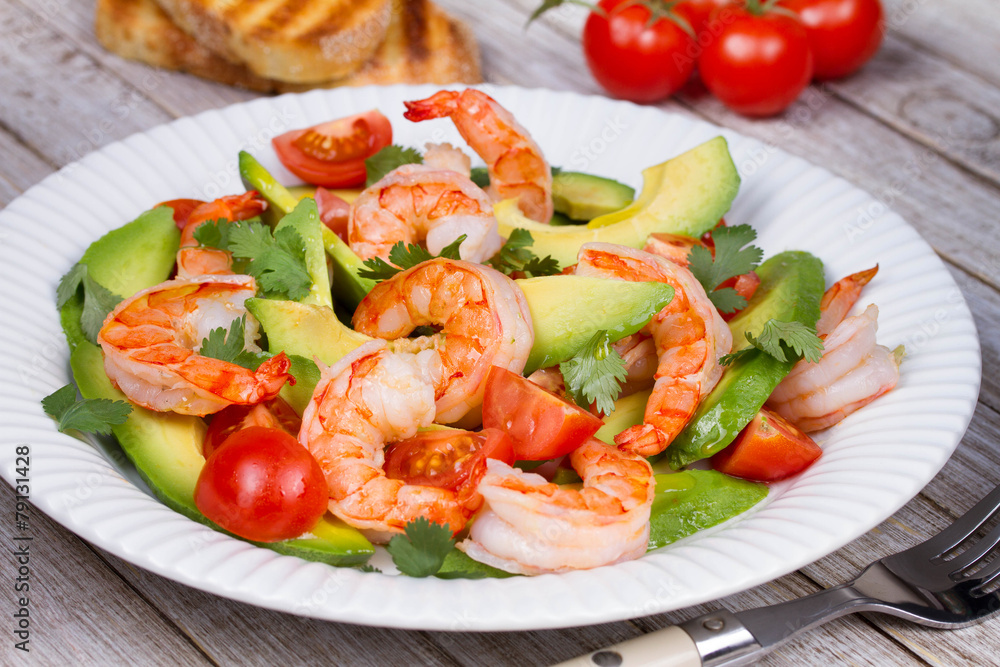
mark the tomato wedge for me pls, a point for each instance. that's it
(182, 209)
(768, 449)
(447, 459)
(334, 211)
(541, 425)
(275, 413)
(333, 154)
(261, 484)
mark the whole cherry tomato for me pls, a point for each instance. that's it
(760, 61)
(699, 12)
(448, 458)
(261, 484)
(843, 34)
(636, 55)
(333, 154)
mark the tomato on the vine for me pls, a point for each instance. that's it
(760, 61)
(333, 154)
(261, 484)
(637, 50)
(447, 459)
(699, 12)
(843, 34)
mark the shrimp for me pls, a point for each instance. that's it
(367, 399)
(446, 156)
(531, 526)
(689, 334)
(852, 373)
(483, 318)
(151, 342)
(195, 261)
(839, 299)
(515, 163)
(417, 203)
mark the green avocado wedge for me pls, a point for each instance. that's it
(581, 196)
(567, 311)
(304, 219)
(790, 290)
(280, 201)
(348, 287)
(135, 256)
(694, 500)
(166, 450)
(686, 195)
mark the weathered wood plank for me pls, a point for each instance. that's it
(20, 168)
(963, 31)
(80, 612)
(57, 100)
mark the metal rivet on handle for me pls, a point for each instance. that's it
(713, 624)
(606, 659)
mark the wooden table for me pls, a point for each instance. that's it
(918, 128)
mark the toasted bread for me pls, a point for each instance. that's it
(422, 45)
(299, 41)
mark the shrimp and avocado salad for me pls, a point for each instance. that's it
(499, 370)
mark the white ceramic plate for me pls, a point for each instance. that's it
(873, 463)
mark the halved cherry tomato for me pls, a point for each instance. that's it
(333, 154)
(275, 413)
(447, 459)
(768, 449)
(541, 425)
(182, 209)
(261, 484)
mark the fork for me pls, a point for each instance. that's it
(936, 583)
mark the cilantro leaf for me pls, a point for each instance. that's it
(480, 176)
(387, 159)
(277, 261)
(98, 300)
(784, 341)
(515, 256)
(213, 234)
(89, 415)
(405, 256)
(461, 574)
(367, 567)
(595, 373)
(228, 346)
(731, 259)
(421, 552)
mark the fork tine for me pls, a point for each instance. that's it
(963, 527)
(971, 556)
(988, 574)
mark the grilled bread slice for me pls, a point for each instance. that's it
(299, 41)
(422, 45)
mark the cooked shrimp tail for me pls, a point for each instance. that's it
(515, 163)
(195, 261)
(840, 298)
(151, 342)
(531, 526)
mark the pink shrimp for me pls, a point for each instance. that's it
(369, 398)
(516, 165)
(418, 203)
(689, 334)
(483, 318)
(838, 300)
(195, 261)
(531, 526)
(151, 342)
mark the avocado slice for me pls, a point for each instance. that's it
(566, 312)
(303, 332)
(135, 256)
(582, 196)
(304, 219)
(685, 195)
(791, 287)
(692, 500)
(629, 411)
(166, 450)
(348, 287)
(280, 201)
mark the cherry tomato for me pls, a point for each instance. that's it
(843, 34)
(745, 285)
(182, 209)
(334, 211)
(633, 57)
(333, 154)
(760, 61)
(699, 12)
(275, 413)
(447, 459)
(768, 449)
(262, 485)
(541, 425)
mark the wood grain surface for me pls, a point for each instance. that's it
(919, 128)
